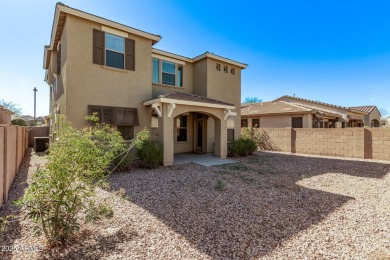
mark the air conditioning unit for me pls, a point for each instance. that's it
(41, 144)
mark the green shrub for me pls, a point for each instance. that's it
(260, 137)
(122, 162)
(220, 185)
(19, 122)
(151, 153)
(242, 147)
(63, 191)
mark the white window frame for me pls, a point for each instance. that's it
(177, 84)
(108, 49)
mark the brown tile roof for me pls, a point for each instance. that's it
(192, 97)
(319, 110)
(283, 107)
(308, 100)
(279, 107)
(366, 109)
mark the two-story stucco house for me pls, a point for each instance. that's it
(96, 65)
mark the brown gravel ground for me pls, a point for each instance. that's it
(267, 206)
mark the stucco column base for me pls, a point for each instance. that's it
(220, 133)
(165, 135)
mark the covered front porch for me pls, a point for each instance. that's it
(189, 123)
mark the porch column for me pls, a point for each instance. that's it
(220, 135)
(165, 135)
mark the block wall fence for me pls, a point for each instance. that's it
(13, 145)
(363, 143)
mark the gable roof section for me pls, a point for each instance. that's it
(283, 107)
(311, 101)
(186, 97)
(59, 20)
(357, 109)
(367, 109)
(220, 58)
(62, 10)
(199, 57)
(272, 107)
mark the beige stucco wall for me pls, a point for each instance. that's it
(60, 96)
(277, 121)
(226, 87)
(92, 84)
(200, 78)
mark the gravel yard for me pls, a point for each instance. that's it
(267, 206)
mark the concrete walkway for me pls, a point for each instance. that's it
(201, 159)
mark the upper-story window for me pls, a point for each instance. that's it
(156, 70)
(168, 73)
(171, 73)
(225, 69)
(218, 67)
(232, 71)
(115, 51)
(180, 75)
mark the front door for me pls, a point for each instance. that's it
(199, 128)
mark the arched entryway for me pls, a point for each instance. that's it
(185, 125)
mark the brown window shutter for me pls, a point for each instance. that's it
(98, 47)
(130, 54)
(59, 60)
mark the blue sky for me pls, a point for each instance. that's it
(331, 51)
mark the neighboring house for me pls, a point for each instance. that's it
(283, 114)
(291, 111)
(372, 116)
(97, 65)
(5, 116)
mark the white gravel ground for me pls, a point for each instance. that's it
(268, 206)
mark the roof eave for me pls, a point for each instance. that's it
(216, 57)
(154, 37)
(185, 102)
(60, 8)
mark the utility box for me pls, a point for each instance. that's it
(41, 144)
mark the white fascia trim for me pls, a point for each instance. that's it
(114, 31)
(157, 56)
(185, 102)
(210, 55)
(108, 23)
(170, 55)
